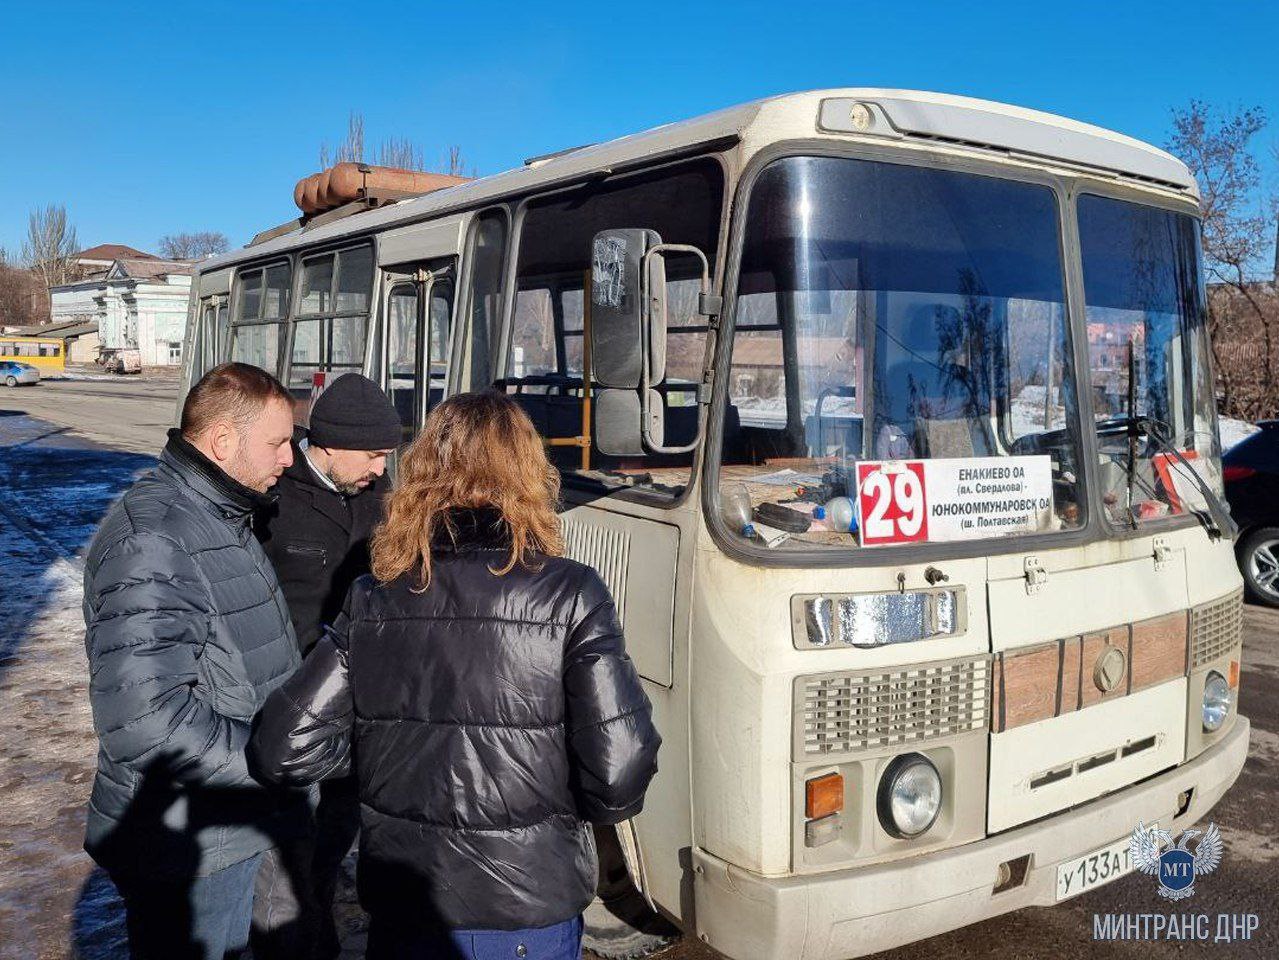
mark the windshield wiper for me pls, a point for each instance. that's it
(1217, 521)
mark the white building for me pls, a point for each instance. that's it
(138, 304)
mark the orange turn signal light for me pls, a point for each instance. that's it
(823, 796)
(1232, 676)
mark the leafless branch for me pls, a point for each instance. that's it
(193, 246)
(1243, 310)
(51, 245)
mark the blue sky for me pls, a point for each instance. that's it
(147, 119)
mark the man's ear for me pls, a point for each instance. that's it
(223, 440)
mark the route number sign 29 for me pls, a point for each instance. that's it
(892, 502)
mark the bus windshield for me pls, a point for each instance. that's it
(905, 319)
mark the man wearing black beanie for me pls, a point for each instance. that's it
(317, 536)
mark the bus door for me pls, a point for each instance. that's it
(212, 332)
(418, 308)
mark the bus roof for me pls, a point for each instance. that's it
(937, 120)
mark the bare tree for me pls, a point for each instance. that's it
(193, 246)
(350, 149)
(391, 152)
(1243, 315)
(23, 300)
(402, 153)
(51, 245)
(454, 165)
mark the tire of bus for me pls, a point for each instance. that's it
(1257, 551)
(619, 923)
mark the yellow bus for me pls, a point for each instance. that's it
(45, 353)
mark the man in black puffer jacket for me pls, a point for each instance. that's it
(316, 532)
(491, 720)
(317, 537)
(187, 633)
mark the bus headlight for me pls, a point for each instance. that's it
(910, 795)
(1216, 704)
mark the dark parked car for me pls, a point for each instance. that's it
(1252, 488)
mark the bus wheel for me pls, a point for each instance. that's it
(619, 923)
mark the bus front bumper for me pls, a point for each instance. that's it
(854, 912)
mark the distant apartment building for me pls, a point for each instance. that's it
(137, 300)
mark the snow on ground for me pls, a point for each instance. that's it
(53, 489)
(77, 375)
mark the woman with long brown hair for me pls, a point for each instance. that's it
(478, 686)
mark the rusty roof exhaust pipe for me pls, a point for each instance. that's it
(347, 182)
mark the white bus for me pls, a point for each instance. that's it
(888, 419)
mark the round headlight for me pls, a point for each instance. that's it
(1216, 701)
(909, 796)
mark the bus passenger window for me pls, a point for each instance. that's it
(258, 344)
(332, 319)
(275, 300)
(355, 280)
(533, 344)
(317, 285)
(261, 304)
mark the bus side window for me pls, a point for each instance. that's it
(261, 307)
(332, 319)
(488, 255)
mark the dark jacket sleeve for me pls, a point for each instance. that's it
(302, 734)
(147, 614)
(611, 738)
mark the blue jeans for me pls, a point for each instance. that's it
(561, 941)
(199, 918)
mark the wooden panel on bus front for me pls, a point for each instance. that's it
(1084, 600)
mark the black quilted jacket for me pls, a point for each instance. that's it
(488, 720)
(186, 632)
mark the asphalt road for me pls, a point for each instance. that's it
(132, 414)
(126, 413)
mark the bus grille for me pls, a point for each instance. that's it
(1216, 628)
(848, 712)
(606, 549)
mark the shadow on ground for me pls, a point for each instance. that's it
(54, 489)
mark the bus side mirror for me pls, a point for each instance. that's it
(628, 298)
(628, 340)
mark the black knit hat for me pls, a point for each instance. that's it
(354, 414)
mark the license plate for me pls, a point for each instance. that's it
(1093, 870)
